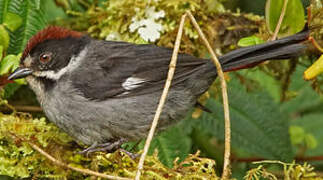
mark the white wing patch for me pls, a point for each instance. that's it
(132, 83)
(73, 64)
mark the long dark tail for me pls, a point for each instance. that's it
(285, 48)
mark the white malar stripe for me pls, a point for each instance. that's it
(132, 83)
(72, 65)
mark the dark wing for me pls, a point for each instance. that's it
(120, 69)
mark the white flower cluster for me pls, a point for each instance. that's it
(148, 28)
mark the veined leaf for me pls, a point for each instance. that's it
(3, 9)
(267, 82)
(258, 127)
(4, 37)
(32, 21)
(305, 96)
(171, 144)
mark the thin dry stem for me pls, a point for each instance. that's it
(281, 18)
(59, 163)
(162, 100)
(315, 44)
(28, 108)
(227, 147)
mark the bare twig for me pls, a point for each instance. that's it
(162, 100)
(227, 148)
(280, 20)
(20, 108)
(59, 163)
(28, 108)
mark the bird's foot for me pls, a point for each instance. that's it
(108, 147)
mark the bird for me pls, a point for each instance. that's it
(105, 93)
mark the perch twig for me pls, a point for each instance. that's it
(28, 108)
(162, 100)
(227, 127)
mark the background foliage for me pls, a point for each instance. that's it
(275, 113)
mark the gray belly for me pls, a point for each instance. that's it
(103, 121)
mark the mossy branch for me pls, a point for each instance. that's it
(59, 163)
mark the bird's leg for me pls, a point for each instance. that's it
(108, 147)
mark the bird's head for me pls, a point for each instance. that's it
(48, 52)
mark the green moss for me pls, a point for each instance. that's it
(114, 18)
(19, 160)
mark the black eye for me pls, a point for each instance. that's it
(45, 57)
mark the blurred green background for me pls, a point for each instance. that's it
(275, 114)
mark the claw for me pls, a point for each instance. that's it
(94, 145)
(133, 156)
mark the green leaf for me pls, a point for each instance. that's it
(265, 81)
(12, 21)
(312, 124)
(249, 41)
(305, 97)
(294, 19)
(214, 6)
(37, 3)
(258, 127)
(171, 144)
(8, 63)
(310, 141)
(1, 52)
(297, 134)
(4, 37)
(10, 89)
(53, 12)
(3, 9)
(32, 21)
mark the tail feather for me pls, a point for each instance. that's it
(284, 48)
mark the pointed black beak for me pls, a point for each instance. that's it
(20, 73)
